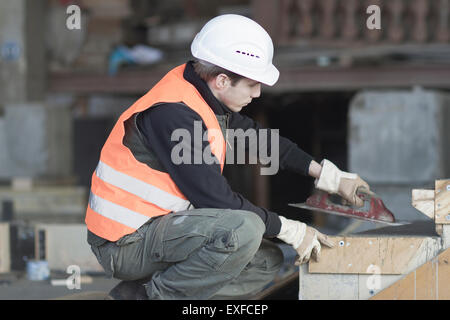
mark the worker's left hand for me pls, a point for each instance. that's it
(304, 239)
(333, 180)
(311, 246)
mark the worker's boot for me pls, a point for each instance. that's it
(129, 290)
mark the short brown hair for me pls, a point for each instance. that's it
(208, 71)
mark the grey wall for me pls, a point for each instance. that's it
(400, 137)
(35, 140)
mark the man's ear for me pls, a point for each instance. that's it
(222, 81)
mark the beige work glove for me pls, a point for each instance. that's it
(304, 239)
(335, 181)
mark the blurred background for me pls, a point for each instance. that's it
(373, 101)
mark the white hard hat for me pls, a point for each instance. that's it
(238, 44)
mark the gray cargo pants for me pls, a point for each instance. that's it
(195, 254)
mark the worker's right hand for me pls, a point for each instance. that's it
(333, 180)
(304, 239)
(348, 188)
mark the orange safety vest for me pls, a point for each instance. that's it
(126, 193)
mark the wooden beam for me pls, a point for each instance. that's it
(361, 255)
(292, 78)
(428, 282)
(335, 78)
(442, 201)
(423, 200)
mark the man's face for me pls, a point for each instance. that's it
(241, 94)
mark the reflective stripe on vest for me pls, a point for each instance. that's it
(141, 189)
(126, 193)
(117, 213)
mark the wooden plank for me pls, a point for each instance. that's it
(442, 201)
(392, 255)
(291, 78)
(445, 235)
(5, 252)
(443, 275)
(423, 200)
(400, 290)
(422, 194)
(428, 282)
(371, 285)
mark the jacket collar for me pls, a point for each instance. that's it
(191, 76)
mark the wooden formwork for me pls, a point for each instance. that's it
(387, 266)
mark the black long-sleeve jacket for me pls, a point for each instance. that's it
(203, 184)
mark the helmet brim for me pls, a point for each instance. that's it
(270, 77)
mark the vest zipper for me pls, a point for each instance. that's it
(226, 130)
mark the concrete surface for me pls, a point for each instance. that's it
(35, 140)
(399, 136)
(18, 287)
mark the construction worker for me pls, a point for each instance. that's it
(176, 230)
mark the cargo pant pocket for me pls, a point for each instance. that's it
(178, 235)
(222, 243)
(130, 238)
(105, 257)
(178, 249)
(136, 236)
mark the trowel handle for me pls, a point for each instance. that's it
(362, 192)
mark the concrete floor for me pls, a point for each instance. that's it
(18, 287)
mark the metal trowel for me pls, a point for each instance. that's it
(373, 210)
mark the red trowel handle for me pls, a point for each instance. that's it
(364, 193)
